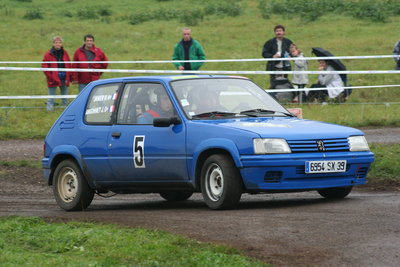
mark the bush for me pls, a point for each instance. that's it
(104, 11)
(310, 10)
(223, 8)
(67, 13)
(191, 17)
(138, 18)
(32, 14)
(265, 9)
(374, 11)
(87, 13)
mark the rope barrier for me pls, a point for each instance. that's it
(268, 90)
(208, 60)
(202, 71)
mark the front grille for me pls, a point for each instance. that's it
(308, 146)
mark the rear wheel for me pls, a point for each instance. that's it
(335, 192)
(221, 183)
(176, 196)
(70, 188)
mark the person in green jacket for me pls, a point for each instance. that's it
(188, 49)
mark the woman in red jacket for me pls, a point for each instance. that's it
(57, 78)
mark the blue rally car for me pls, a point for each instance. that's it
(175, 135)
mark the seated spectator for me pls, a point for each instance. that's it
(163, 108)
(331, 81)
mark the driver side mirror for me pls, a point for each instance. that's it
(166, 122)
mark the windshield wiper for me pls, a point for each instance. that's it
(213, 114)
(256, 111)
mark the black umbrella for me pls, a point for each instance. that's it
(335, 63)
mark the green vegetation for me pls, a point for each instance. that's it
(386, 169)
(22, 163)
(34, 242)
(311, 10)
(226, 29)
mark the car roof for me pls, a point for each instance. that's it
(165, 78)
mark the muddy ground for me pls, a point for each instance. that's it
(299, 229)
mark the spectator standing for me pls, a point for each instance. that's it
(56, 78)
(188, 49)
(396, 52)
(277, 47)
(88, 52)
(299, 80)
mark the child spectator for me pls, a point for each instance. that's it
(299, 80)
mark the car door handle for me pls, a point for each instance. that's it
(116, 134)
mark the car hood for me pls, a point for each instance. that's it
(289, 128)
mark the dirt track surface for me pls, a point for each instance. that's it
(299, 229)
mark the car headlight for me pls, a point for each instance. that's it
(358, 143)
(270, 146)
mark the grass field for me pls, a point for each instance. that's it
(224, 34)
(34, 242)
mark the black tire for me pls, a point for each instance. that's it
(70, 188)
(221, 183)
(176, 196)
(335, 192)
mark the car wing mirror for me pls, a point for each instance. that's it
(166, 122)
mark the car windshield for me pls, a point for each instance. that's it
(225, 97)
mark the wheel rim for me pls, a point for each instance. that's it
(67, 184)
(214, 182)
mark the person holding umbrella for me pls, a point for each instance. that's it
(334, 82)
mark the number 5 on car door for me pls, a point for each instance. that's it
(138, 151)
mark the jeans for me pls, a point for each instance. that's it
(81, 86)
(52, 91)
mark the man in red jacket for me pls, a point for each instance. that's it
(57, 78)
(88, 52)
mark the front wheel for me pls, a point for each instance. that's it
(221, 183)
(70, 188)
(335, 192)
(176, 196)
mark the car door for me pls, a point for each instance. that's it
(93, 133)
(142, 152)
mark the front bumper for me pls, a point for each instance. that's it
(46, 169)
(287, 171)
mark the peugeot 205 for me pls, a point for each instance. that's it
(175, 135)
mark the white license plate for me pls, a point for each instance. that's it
(325, 166)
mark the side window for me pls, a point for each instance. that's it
(100, 106)
(141, 102)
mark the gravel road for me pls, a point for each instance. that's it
(300, 229)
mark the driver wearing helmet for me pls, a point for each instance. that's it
(162, 108)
